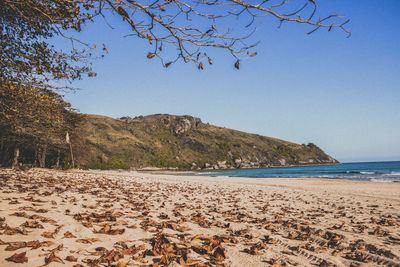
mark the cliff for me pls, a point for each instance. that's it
(183, 142)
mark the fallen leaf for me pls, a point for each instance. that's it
(69, 235)
(88, 240)
(52, 258)
(121, 264)
(18, 258)
(71, 258)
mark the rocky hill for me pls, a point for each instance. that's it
(183, 142)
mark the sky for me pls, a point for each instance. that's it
(342, 94)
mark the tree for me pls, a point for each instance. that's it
(27, 56)
(35, 120)
(32, 115)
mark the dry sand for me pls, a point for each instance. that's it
(105, 218)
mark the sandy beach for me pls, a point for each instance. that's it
(111, 218)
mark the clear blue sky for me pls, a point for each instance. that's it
(341, 94)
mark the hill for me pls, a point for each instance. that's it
(183, 142)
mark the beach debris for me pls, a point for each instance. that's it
(31, 244)
(69, 235)
(52, 234)
(12, 230)
(52, 258)
(254, 249)
(32, 224)
(18, 258)
(71, 258)
(107, 229)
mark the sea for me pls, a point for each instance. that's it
(387, 171)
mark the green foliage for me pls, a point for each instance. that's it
(66, 163)
(113, 163)
(311, 148)
(25, 29)
(223, 145)
(287, 152)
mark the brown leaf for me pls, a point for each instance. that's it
(71, 258)
(32, 224)
(121, 264)
(47, 244)
(237, 64)
(48, 234)
(210, 61)
(69, 235)
(34, 244)
(14, 231)
(161, 7)
(200, 66)
(87, 240)
(52, 258)
(199, 249)
(151, 55)
(18, 258)
(219, 254)
(15, 245)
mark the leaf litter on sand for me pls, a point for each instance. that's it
(171, 226)
(18, 258)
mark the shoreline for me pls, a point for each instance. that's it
(154, 169)
(233, 221)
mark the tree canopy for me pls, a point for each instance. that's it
(35, 120)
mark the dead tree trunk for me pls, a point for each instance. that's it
(72, 156)
(35, 156)
(16, 156)
(42, 159)
(58, 159)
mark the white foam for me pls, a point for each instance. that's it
(383, 180)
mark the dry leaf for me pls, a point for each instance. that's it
(69, 235)
(161, 7)
(121, 264)
(71, 258)
(52, 258)
(88, 240)
(151, 55)
(200, 66)
(237, 64)
(18, 258)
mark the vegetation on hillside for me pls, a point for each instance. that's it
(184, 142)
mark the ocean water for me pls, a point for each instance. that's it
(388, 171)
